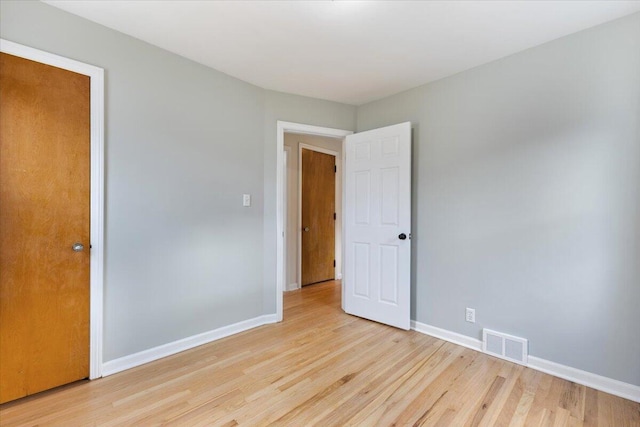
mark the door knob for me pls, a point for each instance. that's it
(78, 247)
(305, 229)
(402, 236)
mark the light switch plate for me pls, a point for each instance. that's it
(246, 200)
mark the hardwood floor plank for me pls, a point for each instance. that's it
(321, 367)
(512, 374)
(402, 391)
(381, 378)
(487, 400)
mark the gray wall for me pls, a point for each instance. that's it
(526, 200)
(183, 143)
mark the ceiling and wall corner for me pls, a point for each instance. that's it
(351, 52)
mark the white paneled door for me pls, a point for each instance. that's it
(378, 225)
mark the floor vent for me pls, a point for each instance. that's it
(514, 349)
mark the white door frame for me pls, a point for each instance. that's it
(285, 219)
(97, 187)
(283, 127)
(337, 161)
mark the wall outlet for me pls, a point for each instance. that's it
(470, 315)
(246, 200)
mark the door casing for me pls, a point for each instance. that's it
(282, 128)
(96, 277)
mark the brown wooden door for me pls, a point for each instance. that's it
(44, 209)
(318, 221)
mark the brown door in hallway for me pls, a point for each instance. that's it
(45, 147)
(318, 216)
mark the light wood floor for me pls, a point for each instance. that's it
(323, 367)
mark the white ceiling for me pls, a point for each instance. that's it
(346, 51)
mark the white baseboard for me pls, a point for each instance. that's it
(292, 287)
(131, 361)
(444, 334)
(598, 382)
(608, 385)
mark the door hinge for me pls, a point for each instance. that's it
(335, 169)
(334, 262)
(334, 216)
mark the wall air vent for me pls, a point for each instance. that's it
(514, 349)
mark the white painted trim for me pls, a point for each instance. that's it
(285, 207)
(97, 187)
(608, 385)
(444, 334)
(302, 146)
(343, 221)
(127, 362)
(280, 213)
(300, 128)
(283, 127)
(598, 382)
(292, 287)
(318, 149)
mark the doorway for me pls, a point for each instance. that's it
(20, 204)
(377, 221)
(286, 281)
(313, 202)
